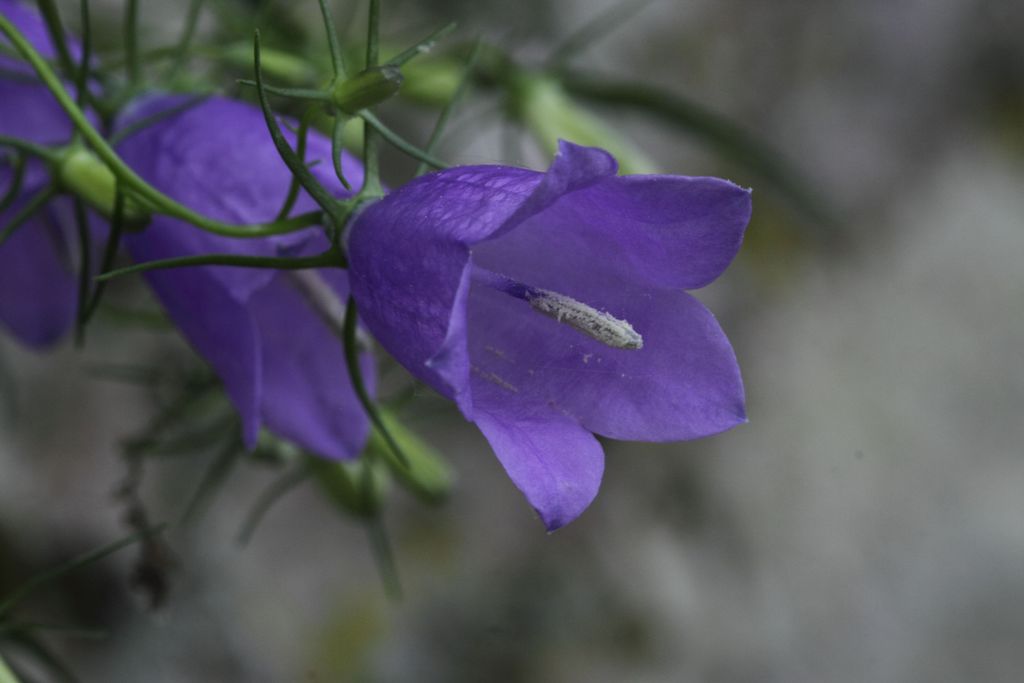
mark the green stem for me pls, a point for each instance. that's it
(157, 200)
(291, 93)
(82, 75)
(399, 142)
(109, 252)
(356, 375)
(449, 107)
(26, 211)
(84, 270)
(44, 153)
(373, 34)
(42, 579)
(337, 60)
(324, 260)
(48, 8)
(181, 50)
(300, 151)
(131, 50)
(16, 179)
(422, 47)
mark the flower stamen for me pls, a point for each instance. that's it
(596, 324)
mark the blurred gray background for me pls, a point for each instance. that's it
(866, 525)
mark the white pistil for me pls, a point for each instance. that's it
(603, 327)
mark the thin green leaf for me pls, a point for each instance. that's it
(449, 107)
(337, 145)
(17, 176)
(288, 155)
(84, 269)
(40, 580)
(109, 253)
(147, 121)
(291, 93)
(359, 385)
(82, 74)
(213, 479)
(130, 32)
(337, 58)
(48, 8)
(267, 499)
(422, 47)
(373, 34)
(181, 50)
(30, 207)
(300, 151)
(399, 142)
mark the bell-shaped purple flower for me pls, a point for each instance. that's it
(37, 263)
(550, 307)
(267, 333)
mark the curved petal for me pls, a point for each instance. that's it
(684, 383)
(217, 158)
(37, 281)
(661, 231)
(554, 461)
(408, 253)
(221, 330)
(307, 396)
(47, 124)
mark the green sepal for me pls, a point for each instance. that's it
(426, 474)
(357, 487)
(367, 88)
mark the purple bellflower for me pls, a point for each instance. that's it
(37, 263)
(268, 334)
(550, 307)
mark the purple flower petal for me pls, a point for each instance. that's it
(307, 395)
(38, 287)
(683, 384)
(37, 279)
(556, 463)
(448, 272)
(280, 363)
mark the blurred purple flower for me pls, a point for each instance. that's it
(281, 363)
(37, 264)
(550, 307)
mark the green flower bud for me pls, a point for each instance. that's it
(84, 174)
(367, 88)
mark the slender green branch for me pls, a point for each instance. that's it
(181, 50)
(422, 47)
(337, 58)
(147, 121)
(449, 107)
(48, 8)
(300, 151)
(271, 495)
(337, 145)
(356, 375)
(157, 200)
(130, 33)
(397, 141)
(39, 580)
(324, 260)
(291, 93)
(17, 177)
(84, 269)
(109, 252)
(373, 34)
(26, 212)
(595, 29)
(320, 195)
(45, 153)
(82, 74)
